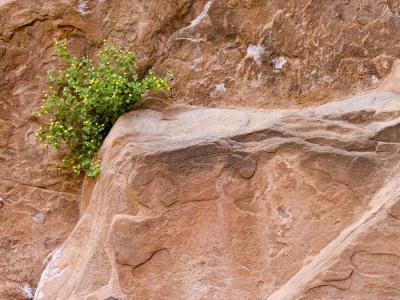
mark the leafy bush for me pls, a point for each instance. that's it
(85, 99)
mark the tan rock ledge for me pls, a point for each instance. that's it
(203, 203)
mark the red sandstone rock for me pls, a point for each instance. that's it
(223, 52)
(240, 204)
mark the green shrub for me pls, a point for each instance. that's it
(85, 99)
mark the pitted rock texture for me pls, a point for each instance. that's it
(38, 206)
(222, 52)
(258, 53)
(207, 203)
(283, 53)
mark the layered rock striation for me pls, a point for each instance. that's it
(212, 203)
(260, 54)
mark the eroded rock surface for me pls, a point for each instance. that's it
(258, 53)
(202, 203)
(38, 206)
(223, 52)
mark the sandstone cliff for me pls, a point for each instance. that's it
(198, 203)
(210, 203)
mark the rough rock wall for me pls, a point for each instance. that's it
(241, 53)
(283, 53)
(259, 53)
(39, 206)
(210, 203)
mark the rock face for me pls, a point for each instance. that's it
(38, 206)
(265, 54)
(259, 53)
(211, 203)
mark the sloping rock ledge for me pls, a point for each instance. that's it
(202, 203)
